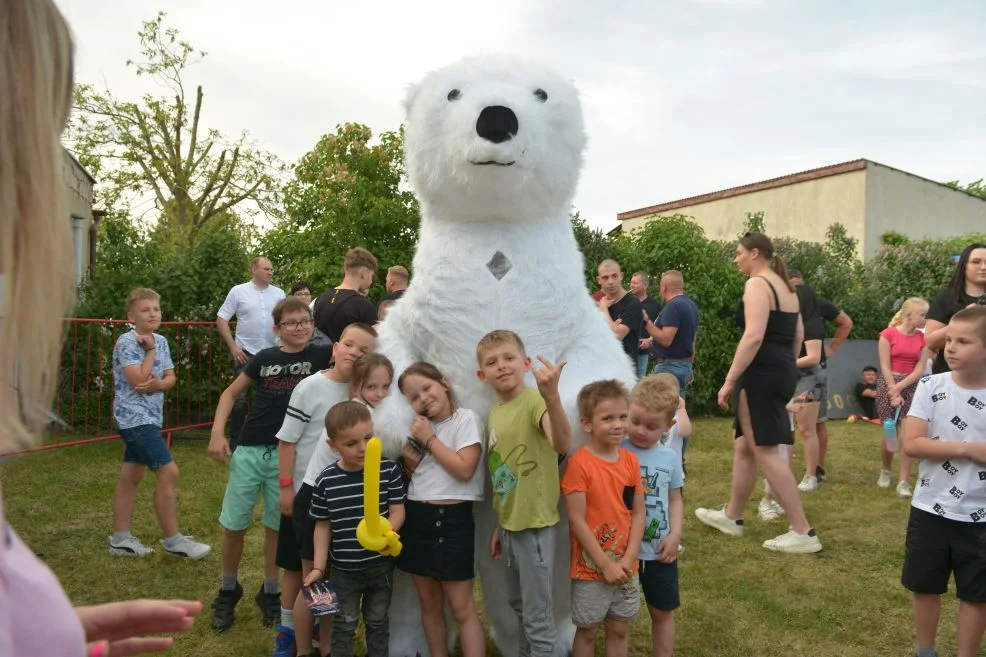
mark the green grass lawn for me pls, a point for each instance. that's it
(737, 598)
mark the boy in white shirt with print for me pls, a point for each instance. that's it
(946, 532)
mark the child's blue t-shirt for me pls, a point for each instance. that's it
(131, 408)
(660, 471)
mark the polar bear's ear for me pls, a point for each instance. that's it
(410, 96)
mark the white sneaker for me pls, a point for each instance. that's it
(777, 507)
(129, 547)
(766, 510)
(904, 489)
(794, 543)
(188, 548)
(808, 484)
(681, 549)
(717, 519)
(884, 480)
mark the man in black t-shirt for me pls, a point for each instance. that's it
(621, 309)
(639, 284)
(338, 307)
(253, 467)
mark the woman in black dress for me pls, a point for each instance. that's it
(762, 380)
(967, 288)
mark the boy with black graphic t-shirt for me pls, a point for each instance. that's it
(946, 532)
(253, 467)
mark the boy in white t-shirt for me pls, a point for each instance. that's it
(946, 532)
(302, 431)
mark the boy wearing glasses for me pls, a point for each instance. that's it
(253, 468)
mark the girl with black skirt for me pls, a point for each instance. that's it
(443, 455)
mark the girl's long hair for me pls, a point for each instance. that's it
(957, 284)
(909, 306)
(36, 260)
(363, 368)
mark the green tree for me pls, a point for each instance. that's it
(345, 192)
(975, 188)
(192, 279)
(159, 147)
(712, 281)
(595, 245)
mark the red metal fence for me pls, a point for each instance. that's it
(83, 407)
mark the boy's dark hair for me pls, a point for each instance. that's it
(289, 305)
(299, 286)
(870, 368)
(139, 294)
(497, 338)
(359, 257)
(345, 415)
(358, 326)
(595, 393)
(974, 315)
(794, 273)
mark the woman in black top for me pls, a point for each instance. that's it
(761, 381)
(967, 288)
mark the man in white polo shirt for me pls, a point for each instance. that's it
(252, 304)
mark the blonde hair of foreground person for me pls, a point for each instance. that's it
(36, 285)
(36, 280)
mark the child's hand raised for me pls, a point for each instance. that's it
(547, 377)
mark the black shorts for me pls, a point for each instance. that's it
(936, 548)
(291, 541)
(659, 582)
(438, 541)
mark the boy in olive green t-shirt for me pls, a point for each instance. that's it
(528, 432)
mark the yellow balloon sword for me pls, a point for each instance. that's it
(374, 531)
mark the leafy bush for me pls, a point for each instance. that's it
(192, 276)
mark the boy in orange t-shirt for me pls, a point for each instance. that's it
(605, 501)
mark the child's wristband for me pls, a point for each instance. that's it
(285, 483)
(428, 443)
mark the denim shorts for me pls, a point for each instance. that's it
(145, 445)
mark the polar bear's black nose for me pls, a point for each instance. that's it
(496, 123)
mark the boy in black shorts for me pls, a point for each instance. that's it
(946, 532)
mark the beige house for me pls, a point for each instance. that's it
(868, 198)
(85, 222)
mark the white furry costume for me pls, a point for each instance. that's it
(494, 147)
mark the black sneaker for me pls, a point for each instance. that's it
(224, 606)
(270, 607)
(820, 474)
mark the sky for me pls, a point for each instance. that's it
(681, 97)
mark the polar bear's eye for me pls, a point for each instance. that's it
(541, 95)
(455, 94)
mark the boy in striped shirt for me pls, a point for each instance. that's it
(362, 579)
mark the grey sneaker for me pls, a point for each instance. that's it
(188, 548)
(129, 547)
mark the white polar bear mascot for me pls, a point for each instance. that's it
(494, 147)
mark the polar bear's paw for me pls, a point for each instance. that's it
(392, 423)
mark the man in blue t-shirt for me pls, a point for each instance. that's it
(673, 331)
